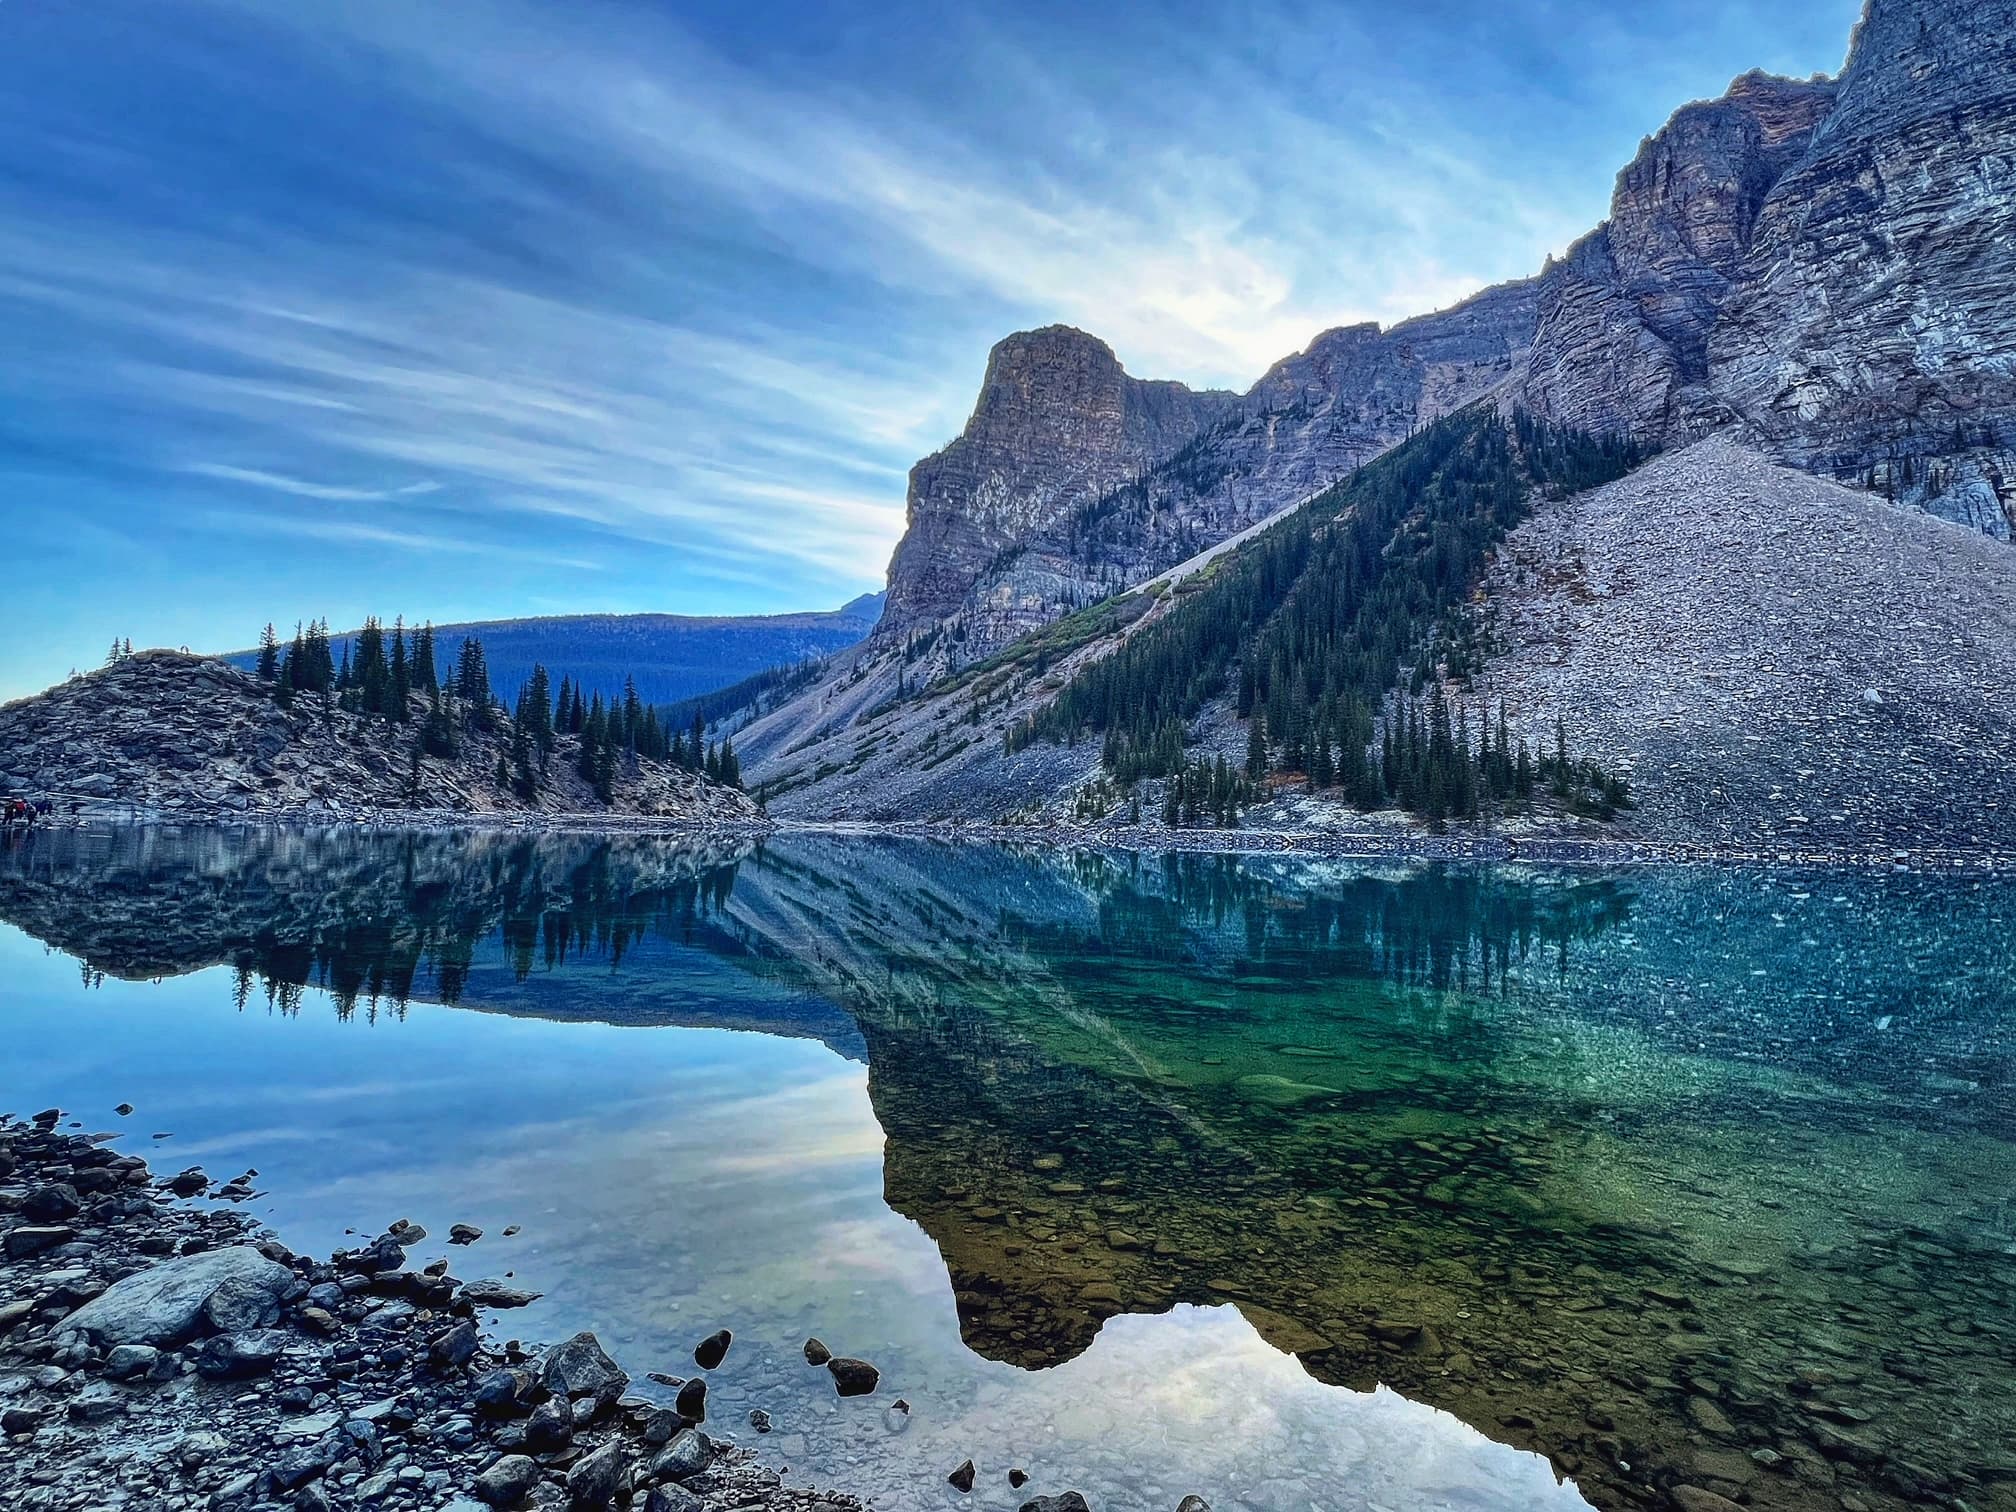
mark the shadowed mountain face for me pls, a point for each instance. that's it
(1688, 1180)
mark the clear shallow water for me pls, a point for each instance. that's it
(1289, 1183)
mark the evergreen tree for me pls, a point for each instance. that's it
(269, 654)
(399, 676)
(426, 675)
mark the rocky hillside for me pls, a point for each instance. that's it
(167, 735)
(1819, 262)
(1774, 658)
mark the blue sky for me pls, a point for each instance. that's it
(465, 310)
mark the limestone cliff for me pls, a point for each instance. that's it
(1873, 332)
(1058, 422)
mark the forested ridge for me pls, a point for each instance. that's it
(1339, 633)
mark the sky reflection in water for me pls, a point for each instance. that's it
(668, 1181)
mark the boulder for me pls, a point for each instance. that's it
(713, 1349)
(686, 1456)
(672, 1497)
(508, 1480)
(455, 1348)
(581, 1368)
(691, 1402)
(236, 1356)
(165, 1304)
(593, 1480)
(1069, 1501)
(52, 1203)
(32, 1239)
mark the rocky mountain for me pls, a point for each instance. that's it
(1058, 423)
(1045, 505)
(168, 735)
(670, 657)
(1819, 267)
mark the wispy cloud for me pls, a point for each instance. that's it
(685, 291)
(304, 489)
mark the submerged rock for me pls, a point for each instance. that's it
(853, 1377)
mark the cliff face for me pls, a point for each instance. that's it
(1873, 335)
(1073, 480)
(1825, 264)
(1625, 318)
(1058, 422)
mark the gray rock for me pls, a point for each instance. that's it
(455, 1348)
(593, 1481)
(128, 1360)
(51, 1204)
(241, 1303)
(581, 1368)
(33, 1239)
(235, 1356)
(488, 1293)
(1068, 1501)
(506, 1392)
(672, 1497)
(686, 1456)
(551, 1426)
(163, 1305)
(508, 1480)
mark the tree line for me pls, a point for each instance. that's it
(398, 679)
(1335, 632)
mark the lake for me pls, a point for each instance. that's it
(1288, 1182)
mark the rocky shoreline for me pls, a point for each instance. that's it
(159, 1354)
(1551, 850)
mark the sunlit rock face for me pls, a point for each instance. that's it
(1073, 480)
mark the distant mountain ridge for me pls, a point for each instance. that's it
(673, 657)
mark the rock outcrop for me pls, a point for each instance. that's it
(1824, 264)
(1625, 318)
(1058, 422)
(1873, 333)
(1074, 481)
(168, 735)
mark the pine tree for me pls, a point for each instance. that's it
(269, 654)
(399, 676)
(426, 675)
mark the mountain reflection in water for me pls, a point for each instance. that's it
(1678, 1178)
